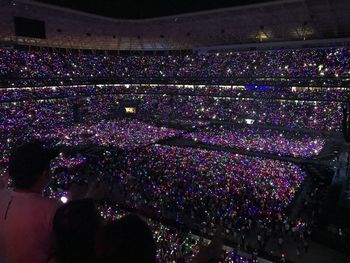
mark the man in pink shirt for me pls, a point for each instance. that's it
(26, 216)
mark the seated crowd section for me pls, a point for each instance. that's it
(48, 112)
(193, 158)
(328, 62)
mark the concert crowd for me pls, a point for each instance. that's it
(281, 143)
(266, 92)
(202, 190)
(325, 62)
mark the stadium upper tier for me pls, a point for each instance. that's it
(327, 66)
(292, 107)
(258, 92)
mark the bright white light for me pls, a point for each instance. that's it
(249, 121)
(64, 199)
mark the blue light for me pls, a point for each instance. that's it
(258, 87)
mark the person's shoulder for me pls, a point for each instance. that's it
(5, 196)
(48, 207)
(50, 202)
(5, 192)
(46, 203)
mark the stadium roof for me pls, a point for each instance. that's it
(300, 22)
(137, 9)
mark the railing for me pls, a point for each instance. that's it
(235, 80)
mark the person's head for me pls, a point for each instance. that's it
(75, 227)
(128, 239)
(29, 166)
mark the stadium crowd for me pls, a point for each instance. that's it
(324, 116)
(52, 92)
(187, 181)
(175, 243)
(56, 104)
(247, 191)
(232, 187)
(121, 134)
(281, 143)
(326, 62)
(45, 118)
(41, 112)
(201, 189)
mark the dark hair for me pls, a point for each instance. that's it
(75, 228)
(128, 239)
(28, 162)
